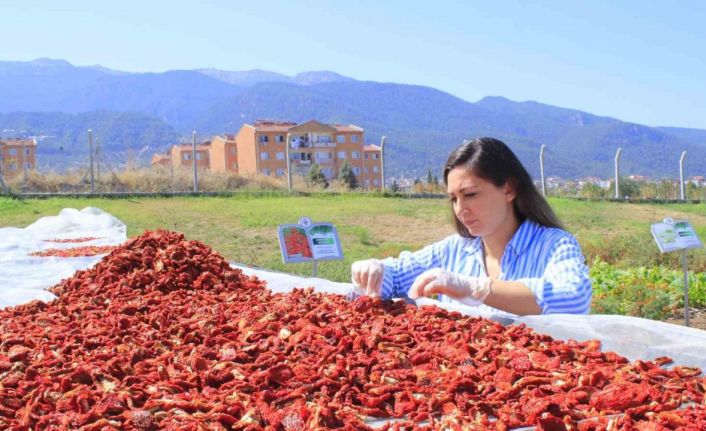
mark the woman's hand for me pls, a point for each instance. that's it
(469, 290)
(366, 276)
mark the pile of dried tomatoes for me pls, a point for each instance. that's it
(163, 334)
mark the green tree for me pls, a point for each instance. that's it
(592, 191)
(347, 176)
(431, 179)
(316, 177)
(628, 188)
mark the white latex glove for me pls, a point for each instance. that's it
(468, 290)
(366, 276)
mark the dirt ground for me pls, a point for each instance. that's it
(697, 319)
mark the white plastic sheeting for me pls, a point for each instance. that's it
(24, 278)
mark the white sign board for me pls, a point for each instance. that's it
(307, 241)
(673, 235)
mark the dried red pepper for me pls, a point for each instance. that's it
(163, 334)
(89, 250)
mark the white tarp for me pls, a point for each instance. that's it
(24, 278)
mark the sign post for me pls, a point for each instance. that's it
(309, 242)
(677, 235)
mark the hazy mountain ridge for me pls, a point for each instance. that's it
(422, 124)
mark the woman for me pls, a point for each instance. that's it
(510, 253)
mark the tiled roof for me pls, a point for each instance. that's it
(284, 126)
(372, 148)
(347, 128)
(18, 142)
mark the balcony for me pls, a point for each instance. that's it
(324, 144)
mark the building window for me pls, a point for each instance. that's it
(28, 151)
(356, 170)
(266, 171)
(365, 170)
(366, 156)
(263, 139)
(355, 154)
(323, 156)
(375, 169)
(341, 154)
(264, 156)
(187, 156)
(13, 166)
(199, 156)
(354, 139)
(280, 172)
(341, 139)
(328, 173)
(12, 151)
(28, 165)
(279, 138)
(376, 182)
(232, 150)
(376, 156)
(280, 155)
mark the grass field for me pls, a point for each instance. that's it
(243, 227)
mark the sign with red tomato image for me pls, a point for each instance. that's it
(313, 241)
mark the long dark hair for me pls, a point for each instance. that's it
(492, 160)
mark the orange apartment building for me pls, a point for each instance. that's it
(260, 149)
(181, 154)
(224, 154)
(16, 155)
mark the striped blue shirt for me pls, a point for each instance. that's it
(547, 260)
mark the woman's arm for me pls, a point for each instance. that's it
(513, 297)
(400, 273)
(565, 286)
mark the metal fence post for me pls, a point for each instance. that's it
(541, 169)
(382, 162)
(24, 164)
(617, 173)
(681, 176)
(90, 151)
(289, 162)
(193, 157)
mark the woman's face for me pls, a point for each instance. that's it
(478, 204)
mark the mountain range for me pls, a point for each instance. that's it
(140, 113)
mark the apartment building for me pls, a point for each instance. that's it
(181, 155)
(224, 154)
(262, 150)
(16, 155)
(161, 160)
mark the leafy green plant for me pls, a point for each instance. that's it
(653, 293)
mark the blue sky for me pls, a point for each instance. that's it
(641, 61)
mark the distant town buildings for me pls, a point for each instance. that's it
(260, 149)
(16, 155)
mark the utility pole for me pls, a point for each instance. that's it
(382, 162)
(681, 175)
(541, 170)
(193, 158)
(98, 159)
(90, 152)
(24, 163)
(289, 162)
(617, 173)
